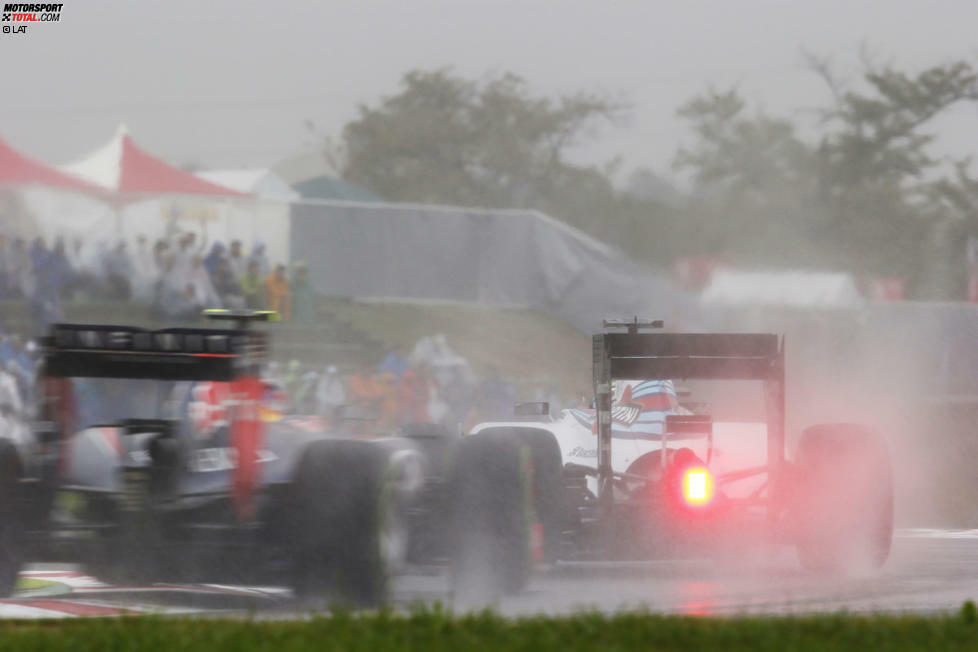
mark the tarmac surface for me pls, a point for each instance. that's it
(929, 571)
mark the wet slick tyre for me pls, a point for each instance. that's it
(844, 500)
(11, 521)
(346, 523)
(490, 508)
(549, 506)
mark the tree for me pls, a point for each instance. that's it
(865, 193)
(752, 176)
(860, 196)
(882, 202)
(446, 139)
(745, 155)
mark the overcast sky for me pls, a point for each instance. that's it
(228, 83)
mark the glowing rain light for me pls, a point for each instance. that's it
(698, 486)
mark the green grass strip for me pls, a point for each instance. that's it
(433, 629)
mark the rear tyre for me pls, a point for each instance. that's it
(549, 505)
(11, 519)
(348, 531)
(844, 499)
(489, 493)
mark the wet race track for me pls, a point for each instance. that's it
(929, 571)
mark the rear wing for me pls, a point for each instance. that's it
(106, 351)
(679, 356)
(685, 356)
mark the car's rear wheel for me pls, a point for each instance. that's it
(11, 519)
(490, 498)
(349, 534)
(549, 503)
(844, 499)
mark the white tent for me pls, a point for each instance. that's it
(123, 166)
(102, 166)
(156, 200)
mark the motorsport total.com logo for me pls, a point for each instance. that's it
(23, 13)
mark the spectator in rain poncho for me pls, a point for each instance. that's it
(259, 257)
(445, 364)
(214, 258)
(237, 262)
(22, 270)
(39, 257)
(183, 306)
(144, 270)
(412, 398)
(253, 287)
(363, 388)
(166, 287)
(396, 362)
(185, 251)
(100, 266)
(118, 272)
(273, 373)
(59, 270)
(162, 260)
(175, 297)
(37, 298)
(76, 254)
(330, 392)
(9, 274)
(228, 289)
(81, 272)
(182, 257)
(201, 281)
(50, 280)
(277, 294)
(304, 401)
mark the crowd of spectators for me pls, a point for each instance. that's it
(173, 275)
(429, 384)
(177, 278)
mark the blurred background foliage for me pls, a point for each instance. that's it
(858, 188)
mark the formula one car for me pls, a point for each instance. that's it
(646, 475)
(156, 456)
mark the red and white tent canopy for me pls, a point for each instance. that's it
(122, 166)
(17, 169)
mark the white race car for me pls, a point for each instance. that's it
(647, 475)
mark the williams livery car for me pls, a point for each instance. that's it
(162, 456)
(646, 474)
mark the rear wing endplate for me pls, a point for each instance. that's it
(105, 351)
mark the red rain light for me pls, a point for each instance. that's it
(698, 486)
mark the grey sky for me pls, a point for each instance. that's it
(227, 83)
